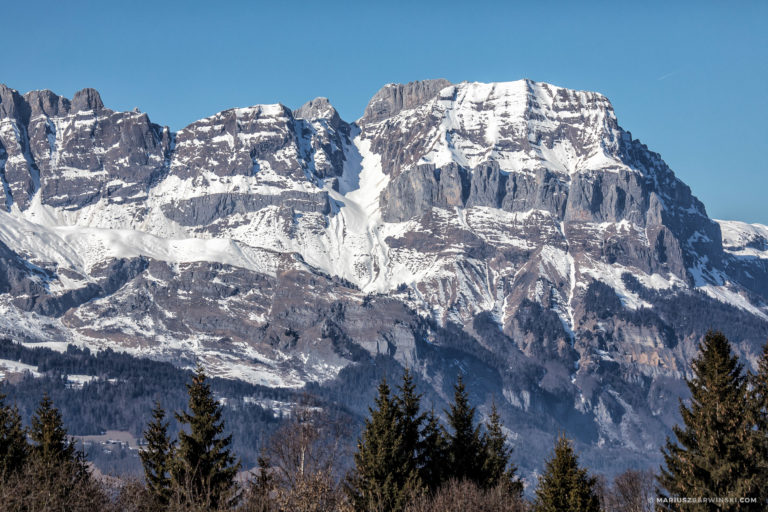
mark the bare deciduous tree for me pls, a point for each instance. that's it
(310, 443)
(632, 491)
(465, 496)
(301, 470)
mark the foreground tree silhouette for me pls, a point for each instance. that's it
(203, 470)
(410, 420)
(383, 479)
(55, 475)
(13, 440)
(465, 445)
(497, 468)
(425, 446)
(404, 454)
(564, 485)
(51, 443)
(434, 462)
(157, 456)
(714, 455)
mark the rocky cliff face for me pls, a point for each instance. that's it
(511, 232)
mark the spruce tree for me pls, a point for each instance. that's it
(433, 459)
(713, 455)
(497, 469)
(59, 471)
(13, 440)
(156, 457)
(51, 444)
(465, 446)
(382, 479)
(203, 471)
(564, 485)
(410, 420)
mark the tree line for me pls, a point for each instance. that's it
(122, 392)
(405, 459)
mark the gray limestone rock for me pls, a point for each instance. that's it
(46, 103)
(487, 186)
(77, 153)
(417, 190)
(536, 190)
(318, 108)
(87, 99)
(392, 98)
(204, 210)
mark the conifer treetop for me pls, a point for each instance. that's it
(564, 485)
(51, 442)
(713, 454)
(204, 467)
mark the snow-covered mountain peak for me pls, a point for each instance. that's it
(523, 126)
(746, 240)
(512, 229)
(318, 108)
(268, 110)
(393, 98)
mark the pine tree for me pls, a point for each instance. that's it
(564, 485)
(465, 446)
(381, 480)
(759, 407)
(433, 460)
(203, 470)
(713, 455)
(51, 444)
(13, 440)
(156, 457)
(497, 468)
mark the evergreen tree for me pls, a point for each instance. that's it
(258, 495)
(465, 445)
(382, 479)
(410, 419)
(759, 407)
(51, 444)
(58, 471)
(497, 468)
(564, 485)
(203, 471)
(714, 453)
(433, 460)
(13, 440)
(156, 457)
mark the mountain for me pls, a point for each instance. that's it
(510, 232)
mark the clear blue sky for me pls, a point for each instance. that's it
(689, 79)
